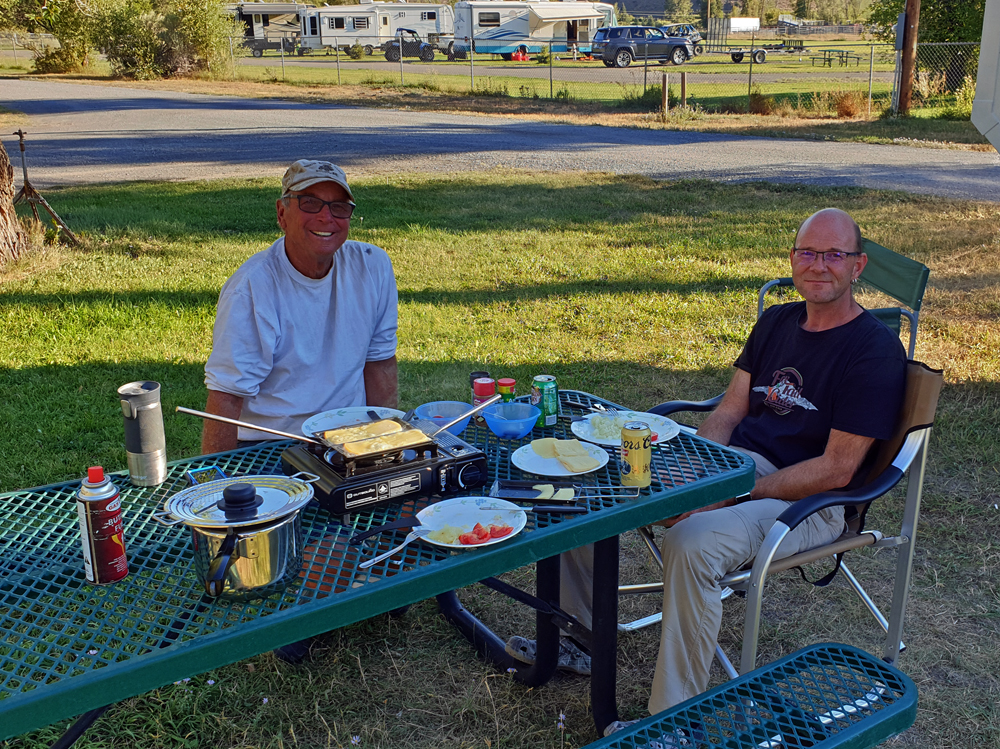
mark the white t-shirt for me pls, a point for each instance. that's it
(293, 346)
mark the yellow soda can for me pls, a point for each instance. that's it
(636, 454)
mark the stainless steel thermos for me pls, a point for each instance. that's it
(145, 445)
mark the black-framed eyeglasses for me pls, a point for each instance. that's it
(312, 204)
(830, 257)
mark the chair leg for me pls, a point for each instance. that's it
(727, 665)
(867, 601)
(755, 593)
(646, 534)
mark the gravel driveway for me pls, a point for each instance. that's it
(82, 134)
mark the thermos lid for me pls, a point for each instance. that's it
(199, 505)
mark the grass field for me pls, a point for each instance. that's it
(636, 290)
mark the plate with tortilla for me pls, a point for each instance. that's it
(345, 417)
(552, 457)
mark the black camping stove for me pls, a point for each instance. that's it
(447, 465)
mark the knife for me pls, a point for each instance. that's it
(563, 509)
(407, 522)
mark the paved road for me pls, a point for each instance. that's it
(81, 133)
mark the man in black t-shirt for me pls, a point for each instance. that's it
(817, 383)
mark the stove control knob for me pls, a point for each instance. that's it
(469, 475)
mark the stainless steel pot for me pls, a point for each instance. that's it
(246, 532)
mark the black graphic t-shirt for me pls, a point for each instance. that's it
(804, 384)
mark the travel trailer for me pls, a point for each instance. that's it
(374, 25)
(268, 25)
(507, 27)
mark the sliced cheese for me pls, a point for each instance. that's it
(578, 463)
(570, 449)
(545, 448)
(544, 490)
(385, 442)
(565, 493)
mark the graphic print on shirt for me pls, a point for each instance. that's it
(785, 392)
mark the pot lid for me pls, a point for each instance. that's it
(239, 501)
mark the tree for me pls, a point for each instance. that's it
(801, 9)
(940, 20)
(678, 11)
(11, 236)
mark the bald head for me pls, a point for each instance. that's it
(837, 220)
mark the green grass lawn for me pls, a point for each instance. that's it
(636, 290)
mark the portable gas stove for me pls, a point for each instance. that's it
(446, 464)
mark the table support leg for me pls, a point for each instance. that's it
(79, 728)
(492, 648)
(604, 654)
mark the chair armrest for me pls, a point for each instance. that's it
(799, 511)
(671, 407)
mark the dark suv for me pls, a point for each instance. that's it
(620, 46)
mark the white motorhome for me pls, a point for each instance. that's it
(530, 26)
(374, 24)
(268, 25)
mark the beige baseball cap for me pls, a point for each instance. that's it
(306, 173)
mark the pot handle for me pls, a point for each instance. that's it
(219, 567)
(305, 478)
(164, 517)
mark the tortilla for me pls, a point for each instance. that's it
(544, 490)
(545, 448)
(565, 493)
(361, 431)
(385, 442)
(579, 463)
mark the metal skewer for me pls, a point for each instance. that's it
(234, 422)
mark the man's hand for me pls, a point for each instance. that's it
(382, 383)
(217, 437)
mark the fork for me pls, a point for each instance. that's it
(600, 407)
(411, 536)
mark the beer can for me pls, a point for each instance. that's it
(101, 531)
(545, 395)
(636, 454)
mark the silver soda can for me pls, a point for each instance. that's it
(99, 506)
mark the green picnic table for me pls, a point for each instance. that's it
(71, 647)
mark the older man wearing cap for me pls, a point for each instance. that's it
(307, 325)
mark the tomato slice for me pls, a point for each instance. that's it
(480, 531)
(499, 531)
(471, 539)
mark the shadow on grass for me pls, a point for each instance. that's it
(55, 420)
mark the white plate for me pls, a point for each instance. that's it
(666, 429)
(344, 417)
(464, 512)
(528, 460)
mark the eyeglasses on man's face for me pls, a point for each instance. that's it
(830, 257)
(312, 204)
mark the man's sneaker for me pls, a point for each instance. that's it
(295, 652)
(676, 739)
(571, 658)
(618, 725)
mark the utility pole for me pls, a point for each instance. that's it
(909, 56)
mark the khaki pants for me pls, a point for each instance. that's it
(697, 552)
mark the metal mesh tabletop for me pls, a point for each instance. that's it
(69, 646)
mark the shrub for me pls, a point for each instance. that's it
(65, 20)
(848, 103)
(355, 51)
(650, 100)
(760, 103)
(129, 34)
(543, 55)
(962, 108)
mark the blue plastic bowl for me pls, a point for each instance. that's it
(441, 412)
(511, 421)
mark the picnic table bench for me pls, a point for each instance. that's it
(842, 56)
(822, 696)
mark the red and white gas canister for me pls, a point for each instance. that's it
(101, 532)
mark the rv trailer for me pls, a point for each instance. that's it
(531, 26)
(375, 25)
(268, 25)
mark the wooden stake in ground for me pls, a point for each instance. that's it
(33, 197)
(11, 236)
